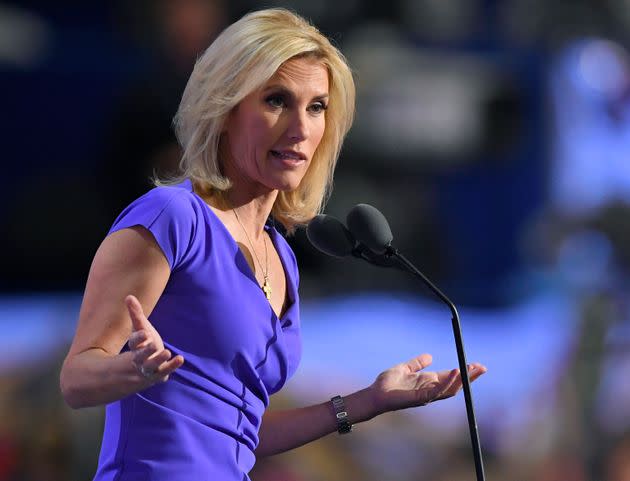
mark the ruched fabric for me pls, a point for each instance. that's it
(202, 424)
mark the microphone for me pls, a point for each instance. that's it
(369, 237)
(330, 236)
(370, 227)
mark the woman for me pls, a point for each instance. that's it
(261, 123)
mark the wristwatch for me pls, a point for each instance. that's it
(341, 415)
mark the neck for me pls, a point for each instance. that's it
(251, 200)
(252, 212)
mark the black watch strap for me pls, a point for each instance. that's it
(341, 415)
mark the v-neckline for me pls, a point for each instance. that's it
(271, 231)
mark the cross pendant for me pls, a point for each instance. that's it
(266, 287)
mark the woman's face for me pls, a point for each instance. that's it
(273, 132)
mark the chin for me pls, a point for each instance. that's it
(287, 187)
(287, 183)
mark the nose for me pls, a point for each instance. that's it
(298, 129)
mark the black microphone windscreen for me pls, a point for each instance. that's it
(369, 226)
(330, 236)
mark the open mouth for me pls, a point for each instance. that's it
(292, 157)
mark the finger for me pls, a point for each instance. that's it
(141, 355)
(138, 320)
(479, 371)
(457, 384)
(153, 362)
(446, 377)
(137, 339)
(165, 370)
(419, 362)
(475, 370)
(450, 382)
(480, 368)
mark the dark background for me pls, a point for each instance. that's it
(494, 135)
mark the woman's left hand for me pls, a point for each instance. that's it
(407, 385)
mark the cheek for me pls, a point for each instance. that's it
(261, 132)
(250, 133)
(319, 130)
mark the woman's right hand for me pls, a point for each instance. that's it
(95, 372)
(153, 362)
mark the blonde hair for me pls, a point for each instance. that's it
(241, 60)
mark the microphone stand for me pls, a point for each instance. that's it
(391, 254)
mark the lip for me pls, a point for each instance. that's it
(290, 153)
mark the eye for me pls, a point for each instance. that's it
(275, 101)
(317, 107)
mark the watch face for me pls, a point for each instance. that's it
(344, 427)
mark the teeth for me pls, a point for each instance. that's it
(282, 155)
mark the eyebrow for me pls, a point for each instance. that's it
(283, 90)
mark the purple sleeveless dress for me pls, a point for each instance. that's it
(202, 424)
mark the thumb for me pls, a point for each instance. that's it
(138, 320)
(419, 362)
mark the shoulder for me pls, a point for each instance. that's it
(171, 198)
(171, 213)
(173, 201)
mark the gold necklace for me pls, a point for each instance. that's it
(266, 287)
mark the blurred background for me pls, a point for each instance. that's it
(493, 134)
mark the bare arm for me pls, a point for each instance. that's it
(288, 429)
(402, 386)
(94, 372)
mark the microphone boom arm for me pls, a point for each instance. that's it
(394, 255)
(362, 252)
